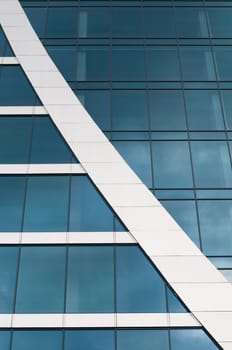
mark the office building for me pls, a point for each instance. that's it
(95, 255)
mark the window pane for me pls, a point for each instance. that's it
(220, 22)
(37, 17)
(204, 110)
(128, 63)
(139, 286)
(97, 103)
(171, 164)
(215, 222)
(5, 49)
(41, 280)
(65, 58)
(11, 203)
(94, 22)
(46, 203)
(197, 64)
(8, 270)
(90, 286)
(61, 22)
(159, 22)
(211, 155)
(89, 340)
(223, 57)
(126, 22)
(93, 63)
(162, 64)
(191, 22)
(129, 110)
(5, 340)
(48, 146)
(142, 339)
(137, 154)
(184, 212)
(37, 340)
(227, 107)
(88, 209)
(188, 338)
(167, 110)
(17, 129)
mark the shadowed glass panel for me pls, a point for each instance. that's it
(93, 63)
(62, 22)
(220, 22)
(37, 17)
(8, 270)
(223, 57)
(159, 22)
(128, 63)
(94, 22)
(162, 63)
(90, 284)
(191, 22)
(41, 280)
(5, 49)
(65, 58)
(37, 340)
(142, 339)
(227, 107)
(126, 22)
(89, 340)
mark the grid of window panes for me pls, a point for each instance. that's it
(156, 76)
(123, 339)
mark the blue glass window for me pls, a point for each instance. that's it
(197, 63)
(11, 202)
(90, 284)
(188, 338)
(171, 164)
(62, 22)
(8, 270)
(220, 22)
(191, 22)
(211, 155)
(126, 22)
(142, 339)
(223, 57)
(137, 154)
(159, 22)
(5, 49)
(15, 88)
(37, 340)
(37, 17)
(94, 22)
(41, 280)
(128, 63)
(5, 340)
(227, 107)
(93, 63)
(89, 340)
(215, 223)
(46, 207)
(162, 64)
(139, 287)
(167, 110)
(204, 110)
(129, 110)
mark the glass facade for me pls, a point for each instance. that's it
(156, 78)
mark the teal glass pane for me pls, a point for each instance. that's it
(227, 107)
(184, 212)
(191, 22)
(162, 63)
(220, 22)
(203, 110)
(37, 340)
(174, 304)
(97, 103)
(90, 281)
(128, 63)
(88, 210)
(129, 110)
(5, 49)
(18, 129)
(139, 287)
(137, 154)
(41, 280)
(48, 146)
(8, 270)
(5, 340)
(159, 22)
(197, 63)
(223, 57)
(142, 339)
(126, 22)
(188, 338)
(207, 155)
(11, 203)
(94, 22)
(167, 110)
(15, 88)
(227, 274)
(89, 340)
(65, 58)
(93, 63)
(171, 164)
(37, 17)
(46, 207)
(215, 223)
(61, 22)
